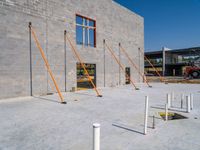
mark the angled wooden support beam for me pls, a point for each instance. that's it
(120, 64)
(47, 64)
(134, 65)
(160, 77)
(73, 48)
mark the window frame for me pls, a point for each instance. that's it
(88, 27)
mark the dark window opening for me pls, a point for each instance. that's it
(127, 75)
(85, 31)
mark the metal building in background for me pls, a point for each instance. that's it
(172, 62)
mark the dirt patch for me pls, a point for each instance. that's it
(174, 80)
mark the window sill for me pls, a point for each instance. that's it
(85, 46)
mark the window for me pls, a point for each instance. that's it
(85, 31)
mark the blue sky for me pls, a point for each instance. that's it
(171, 23)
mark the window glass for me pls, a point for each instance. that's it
(79, 20)
(79, 35)
(84, 22)
(91, 23)
(91, 32)
(85, 35)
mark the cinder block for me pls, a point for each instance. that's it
(49, 19)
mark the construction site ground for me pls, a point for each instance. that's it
(42, 123)
(173, 79)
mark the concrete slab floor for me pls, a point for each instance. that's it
(41, 123)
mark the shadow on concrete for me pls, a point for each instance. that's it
(178, 110)
(47, 99)
(127, 128)
(175, 107)
(86, 94)
(155, 117)
(147, 126)
(172, 107)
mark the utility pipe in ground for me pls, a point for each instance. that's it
(169, 100)
(191, 101)
(166, 112)
(182, 99)
(188, 104)
(96, 136)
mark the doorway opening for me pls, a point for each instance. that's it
(83, 82)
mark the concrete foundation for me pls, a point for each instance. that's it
(43, 123)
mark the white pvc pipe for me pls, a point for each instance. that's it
(172, 98)
(166, 112)
(146, 114)
(169, 100)
(188, 104)
(191, 101)
(182, 100)
(96, 136)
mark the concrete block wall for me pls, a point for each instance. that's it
(115, 24)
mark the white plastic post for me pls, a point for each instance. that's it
(172, 98)
(191, 101)
(96, 136)
(182, 99)
(188, 104)
(169, 100)
(166, 112)
(146, 114)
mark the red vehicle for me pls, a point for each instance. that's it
(192, 72)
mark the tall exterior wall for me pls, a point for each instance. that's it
(114, 23)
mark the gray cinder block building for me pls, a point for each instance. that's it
(88, 22)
